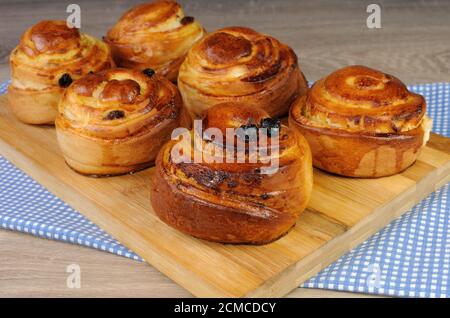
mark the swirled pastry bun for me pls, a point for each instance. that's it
(49, 56)
(154, 35)
(238, 64)
(214, 195)
(114, 122)
(361, 122)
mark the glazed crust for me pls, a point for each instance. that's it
(361, 122)
(115, 121)
(233, 202)
(154, 35)
(238, 64)
(46, 51)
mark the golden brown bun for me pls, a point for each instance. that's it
(238, 64)
(154, 35)
(361, 122)
(46, 51)
(233, 202)
(114, 122)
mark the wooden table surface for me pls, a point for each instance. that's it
(413, 43)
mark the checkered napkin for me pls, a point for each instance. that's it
(409, 257)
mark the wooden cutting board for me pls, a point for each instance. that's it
(343, 212)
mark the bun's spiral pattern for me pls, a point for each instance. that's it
(362, 122)
(154, 35)
(231, 201)
(238, 64)
(115, 121)
(358, 98)
(49, 56)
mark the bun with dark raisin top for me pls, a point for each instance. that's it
(154, 35)
(238, 64)
(361, 122)
(219, 193)
(49, 57)
(114, 122)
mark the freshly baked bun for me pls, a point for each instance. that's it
(114, 122)
(361, 122)
(49, 56)
(154, 35)
(238, 64)
(214, 195)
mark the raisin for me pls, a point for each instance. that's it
(65, 80)
(114, 114)
(271, 125)
(149, 72)
(187, 20)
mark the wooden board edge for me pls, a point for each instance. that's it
(291, 278)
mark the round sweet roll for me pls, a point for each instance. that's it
(361, 122)
(234, 188)
(238, 64)
(154, 35)
(115, 121)
(49, 57)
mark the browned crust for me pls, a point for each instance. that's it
(358, 154)
(359, 98)
(95, 143)
(234, 202)
(240, 65)
(106, 157)
(47, 51)
(49, 37)
(153, 35)
(209, 220)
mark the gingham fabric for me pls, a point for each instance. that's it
(410, 257)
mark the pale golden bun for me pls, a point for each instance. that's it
(46, 52)
(238, 64)
(154, 35)
(114, 122)
(229, 201)
(361, 122)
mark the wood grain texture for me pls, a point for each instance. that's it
(341, 214)
(326, 34)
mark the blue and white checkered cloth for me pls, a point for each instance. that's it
(409, 257)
